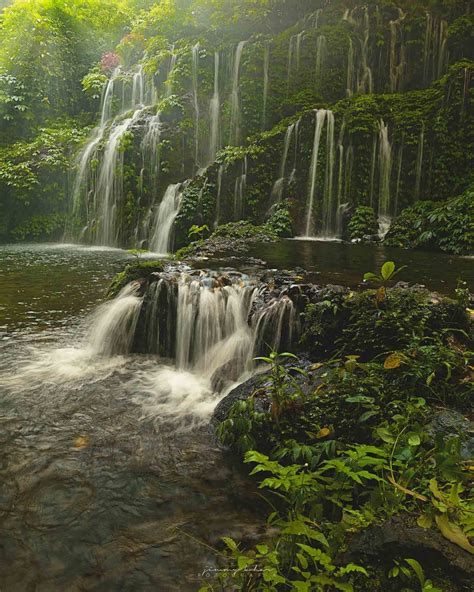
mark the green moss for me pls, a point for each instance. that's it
(133, 271)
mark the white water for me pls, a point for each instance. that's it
(266, 81)
(321, 51)
(398, 64)
(385, 171)
(235, 115)
(328, 206)
(320, 119)
(195, 91)
(240, 190)
(278, 187)
(214, 113)
(161, 241)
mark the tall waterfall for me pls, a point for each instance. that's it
(169, 76)
(328, 210)
(435, 52)
(235, 116)
(350, 70)
(365, 82)
(214, 113)
(138, 88)
(195, 91)
(340, 178)
(161, 241)
(278, 187)
(320, 119)
(385, 170)
(150, 150)
(266, 80)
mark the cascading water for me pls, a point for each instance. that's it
(328, 210)
(419, 162)
(214, 113)
(296, 151)
(220, 176)
(350, 69)
(138, 88)
(235, 115)
(150, 150)
(340, 178)
(435, 48)
(321, 50)
(278, 187)
(266, 81)
(397, 54)
(240, 190)
(161, 241)
(195, 92)
(169, 76)
(385, 170)
(320, 119)
(365, 78)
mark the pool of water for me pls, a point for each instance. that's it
(345, 264)
(96, 491)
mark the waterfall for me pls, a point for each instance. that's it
(277, 191)
(195, 93)
(167, 211)
(114, 323)
(320, 118)
(365, 84)
(214, 113)
(266, 80)
(299, 39)
(239, 191)
(328, 225)
(373, 167)
(150, 150)
(220, 175)
(321, 50)
(296, 151)
(385, 170)
(109, 190)
(434, 48)
(138, 86)
(340, 178)
(289, 74)
(235, 117)
(350, 69)
(397, 59)
(419, 162)
(82, 178)
(171, 67)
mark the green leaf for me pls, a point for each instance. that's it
(230, 543)
(414, 439)
(416, 567)
(453, 533)
(424, 521)
(387, 270)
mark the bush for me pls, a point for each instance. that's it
(362, 223)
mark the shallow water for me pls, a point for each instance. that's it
(97, 491)
(345, 264)
(109, 477)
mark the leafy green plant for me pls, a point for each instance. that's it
(410, 568)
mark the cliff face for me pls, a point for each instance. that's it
(341, 105)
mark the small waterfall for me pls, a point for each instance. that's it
(435, 48)
(350, 70)
(299, 40)
(138, 88)
(240, 190)
(150, 150)
(340, 178)
(266, 81)
(320, 119)
(274, 325)
(328, 222)
(385, 170)
(321, 50)
(419, 162)
(278, 187)
(296, 151)
(195, 92)
(365, 83)
(220, 175)
(235, 117)
(168, 209)
(214, 113)
(169, 75)
(289, 74)
(397, 58)
(114, 323)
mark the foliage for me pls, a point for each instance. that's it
(362, 223)
(280, 222)
(446, 227)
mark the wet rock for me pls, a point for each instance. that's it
(448, 424)
(399, 537)
(241, 393)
